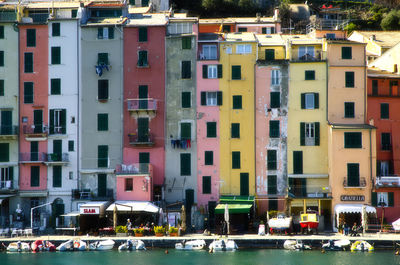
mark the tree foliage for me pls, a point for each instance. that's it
(391, 21)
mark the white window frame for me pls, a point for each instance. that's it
(211, 98)
(384, 168)
(243, 48)
(309, 133)
(228, 49)
(209, 52)
(382, 196)
(303, 50)
(57, 121)
(212, 71)
(5, 181)
(309, 101)
(179, 28)
(275, 77)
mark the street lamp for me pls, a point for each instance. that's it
(382, 204)
(33, 208)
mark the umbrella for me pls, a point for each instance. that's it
(183, 216)
(115, 216)
(226, 217)
(267, 221)
(364, 218)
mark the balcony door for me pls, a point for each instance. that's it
(34, 151)
(38, 121)
(102, 185)
(6, 122)
(57, 150)
(143, 97)
(353, 175)
(143, 130)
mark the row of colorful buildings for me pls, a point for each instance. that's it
(106, 101)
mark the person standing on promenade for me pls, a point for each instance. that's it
(129, 226)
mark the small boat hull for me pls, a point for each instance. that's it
(18, 247)
(191, 245)
(132, 245)
(337, 245)
(42, 245)
(361, 246)
(102, 245)
(223, 245)
(295, 245)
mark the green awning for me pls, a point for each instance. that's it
(233, 208)
(231, 199)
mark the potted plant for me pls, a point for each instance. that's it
(159, 230)
(138, 232)
(121, 230)
(173, 231)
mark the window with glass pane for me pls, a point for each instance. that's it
(306, 52)
(275, 77)
(243, 48)
(142, 58)
(128, 184)
(309, 134)
(212, 71)
(385, 142)
(209, 52)
(309, 101)
(211, 98)
(58, 121)
(237, 102)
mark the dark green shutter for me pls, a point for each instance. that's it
(309, 75)
(374, 199)
(346, 53)
(102, 155)
(31, 37)
(102, 122)
(186, 69)
(102, 58)
(57, 150)
(57, 176)
(316, 100)
(226, 28)
(244, 184)
(208, 158)
(70, 146)
(6, 122)
(275, 99)
(55, 85)
(297, 162)
(384, 111)
(264, 30)
(55, 55)
(349, 79)
(316, 125)
(186, 99)
(99, 33)
(143, 129)
(219, 70)
(186, 42)
(110, 33)
(144, 157)
(55, 29)
(378, 168)
(269, 54)
(211, 129)
(143, 97)
(353, 175)
(101, 185)
(28, 62)
(235, 160)
(272, 184)
(4, 152)
(185, 165)
(274, 129)
(132, 2)
(51, 128)
(186, 131)
(1, 32)
(206, 185)
(352, 140)
(28, 92)
(391, 199)
(303, 187)
(142, 34)
(102, 89)
(303, 101)
(74, 13)
(142, 60)
(34, 151)
(11, 174)
(236, 72)
(203, 96)
(205, 71)
(38, 121)
(63, 121)
(272, 161)
(237, 102)
(235, 130)
(219, 98)
(35, 176)
(349, 109)
(1, 87)
(2, 58)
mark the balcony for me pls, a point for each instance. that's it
(357, 183)
(318, 56)
(8, 132)
(8, 16)
(33, 157)
(140, 140)
(88, 194)
(142, 107)
(39, 17)
(387, 182)
(301, 191)
(133, 169)
(35, 132)
(7, 186)
(386, 147)
(56, 158)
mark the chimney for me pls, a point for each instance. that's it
(276, 13)
(258, 17)
(372, 37)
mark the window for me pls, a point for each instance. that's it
(144, 157)
(243, 48)
(1, 32)
(128, 184)
(55, 55)
(6, 177)
(272, 162)
(142, 59)
(237, 102)
(143, 130)
(349, 79)
(102, 87)
(352, 140)
(211, 129)
(236, 72)
(346, 53)
(242, 29)
(28, 62)
(375, 87)
(226, 28)
(58, 121)
(4, 152)
(275, 99)
(211, 98)
(57, 176)
(208, 158)
(330, 36)
(235, 130)
(142, 34)
(269, 54)
(74, 13)
(186, 99)
(212, 71)
(272, 187)
(309, 75)
(102, 156)
(274, 129)
(349, 109)
(382, 198)
(70, 146)
(145, 3)
(353, 175)
(30, 37)
(28, 92)
(309, 133)
(297, 162)
(186, 70)
(306, 52)
(186, 131)
(55, 29)
(179, 28)
(1, 58)
(244, 184)
(105, 33)
(206, 184)
(209, 52)
(102, 122)
(235, 160)
(35, 176)
(185, 165)
(55, 86)
(384, 110)
(268, 30)
(309, 100)
(186, 42)
(385, 142)
(1, 87)
(102, 58)
(275, 77)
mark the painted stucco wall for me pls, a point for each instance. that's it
(142, 187)
(279, 52)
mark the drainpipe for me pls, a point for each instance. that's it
(78, 106)
(19, 107)
(370, 158)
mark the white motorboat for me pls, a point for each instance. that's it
(18, 247)
(337, 245)
(80, 245)
(222, 245)
(191, 245)
(66, 246)
(361, 245)
(132, 245)
(280, 223)
(102, 245)
(295, 245)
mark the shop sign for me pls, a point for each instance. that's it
(354, 198)
(94, 210)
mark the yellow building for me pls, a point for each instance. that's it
(307, 153)
(238, 53)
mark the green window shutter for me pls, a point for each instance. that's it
(51, 128)
(1, 32)
(102, 86)
(244, 184)
(219, 98)
(378, 168)
(1, 87)
(186, 131)
(63, 121)
(28, 62)
(206, 185)
(346, 53)
(132, 2)
(110, 33)
(205, 71)
(28, 92)
(242, 30)
(297, 162)
(303, 187)
(226, 28)
(74, 13)
(316, 101)
(272, 185)
(186, 69)
(142, 34)
(274, 129)
(384, 111)
(102, 58)
(237, 102)
(272, 161)
(310, 75)
(55, 84)
(349, 109)
(269, 54)
(219, 70)
(144, 157)
(374, 199)
(57, 176)
(35, 176)
(101, 185)
(302, 133)
(316, 128)
(264, 30)
(55, 55)
(303, 100)
(186, 42)
(102, 156)
(4, 152)
(31, 37)
(375, 87)
(1, 58)
(352, 140)
(102, 122)
(55, 29)
(203, 96)
(236, 72)
(272, 204)
(349, 79)
(34, 151)
(385, 141)
(235, 160)
(100, 33)
(70, 146)
(185, 165)
(143, 129)
(391, 199)
(211, 129)
(186, 99)
(208, 158)
(275, 99)
(11, 174)
(235, 130)
(353, 175)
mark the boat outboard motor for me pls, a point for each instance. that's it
(331, 244)
(19, 245)
(223, 245)
(362, 246)
(183, 243)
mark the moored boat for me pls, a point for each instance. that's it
(18, 247)
(79, 245)
(295, 245)
(361, 245)
(132, 245)
(42, 245)
(102, 245)
(66, 246)
(191, 245)
(337, 245)
(280, 223)
(222, 245)
(309, 220)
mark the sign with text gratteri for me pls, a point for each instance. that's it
(354, 198)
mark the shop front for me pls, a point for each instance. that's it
(92, 216)
(140, 213)
(350, 213)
